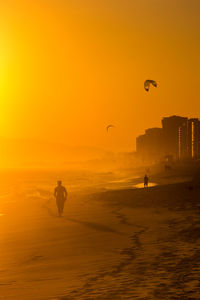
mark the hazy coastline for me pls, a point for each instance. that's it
(109, 244)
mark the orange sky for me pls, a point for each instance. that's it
(70, 67)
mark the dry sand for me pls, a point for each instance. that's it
(127, 244)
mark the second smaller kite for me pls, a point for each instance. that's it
(109, 126)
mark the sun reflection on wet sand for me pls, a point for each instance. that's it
(141, 185)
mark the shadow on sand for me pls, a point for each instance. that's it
(49, 210)
(94, 225)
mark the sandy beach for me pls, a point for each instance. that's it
(117, 244)
(99, 150)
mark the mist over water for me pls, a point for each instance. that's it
(100, 235)
(14, 181)
(35, 242)
(86, 88)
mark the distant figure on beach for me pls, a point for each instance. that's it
(146, 180)
(168, 168)
(60, 194)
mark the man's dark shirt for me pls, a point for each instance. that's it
(60, 192)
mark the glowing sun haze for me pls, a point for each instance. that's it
(68, 68)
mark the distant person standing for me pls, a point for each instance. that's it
(146, 180)
(60, 194)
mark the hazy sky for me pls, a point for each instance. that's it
(70, 67)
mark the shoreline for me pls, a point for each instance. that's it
(129, 243)
(163, 253)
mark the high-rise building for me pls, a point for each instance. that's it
(172, 133)
(150, 145)
(179, 138)
(141, 146)
(194, 138)
(183, 141)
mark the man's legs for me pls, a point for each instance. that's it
(60, 206)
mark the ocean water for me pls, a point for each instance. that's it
(103, 247)
(43, 255)
(15, 181)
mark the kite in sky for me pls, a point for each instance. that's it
(147, 84)
(109, 126)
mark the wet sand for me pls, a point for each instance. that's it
(125, 244)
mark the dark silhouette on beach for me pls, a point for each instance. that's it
(60, 194)
(146, 180)
(168, 168)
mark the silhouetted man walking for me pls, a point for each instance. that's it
(146, 180)
(60, 194)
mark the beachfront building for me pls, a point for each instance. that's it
(173, 135)
(141, 146)
(194, 138)
(189, 139)
(178, 138)
(149, 146)
(183, 141)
